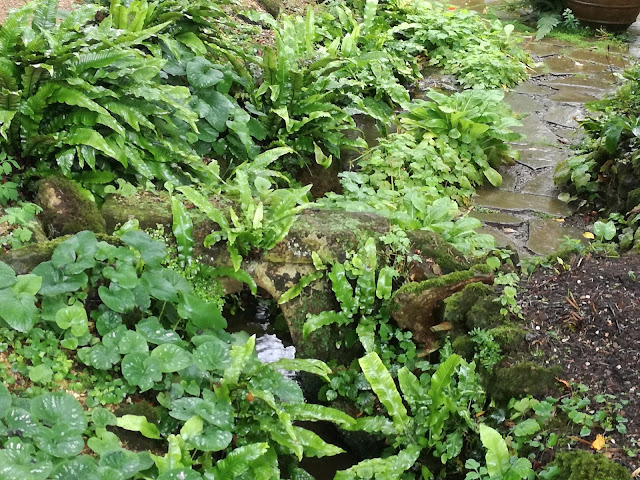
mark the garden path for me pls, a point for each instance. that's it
(525, 210)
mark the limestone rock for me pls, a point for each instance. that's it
(65, 210)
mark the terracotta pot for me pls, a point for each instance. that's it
(615, 15)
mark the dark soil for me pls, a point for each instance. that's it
(585, 317)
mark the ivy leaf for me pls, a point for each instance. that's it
(18, 310)
(80, 468)
(118, 299)
(5, 400)
(202, 74)
(99, 356)
(40, 374)
(212, 356)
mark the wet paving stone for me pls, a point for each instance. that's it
(546, 235)
(537, 157)
(564, 65)
(523, 103)
(577, 94)
(535, 130)
(534, 89)
(602, 80)
(497, 218)
(607, 59)
(542, 185)
(494, 198)
(564, 115)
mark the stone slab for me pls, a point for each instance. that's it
(497, 218)
(523, 103)
(564, 115)
(537, 157)
(601, 81)
(542, 184)
(546, 235)
(610, 60)
(576, 94)
(494, 198)
(536, 130)
(532, 88)
(561, 65)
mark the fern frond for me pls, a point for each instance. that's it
(44, 18)
(546, 23)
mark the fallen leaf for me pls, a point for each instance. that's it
(508, 230)
(479, 414)
(559, 220)
(564, 382)
(588, 235)
(598, 443)
(441, 327)
(635, 473)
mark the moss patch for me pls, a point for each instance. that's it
(583, 465)
(524, 379)
(65, 209)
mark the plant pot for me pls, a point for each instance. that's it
(614, 15)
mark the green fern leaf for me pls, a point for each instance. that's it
(44, 18)
(546, 23)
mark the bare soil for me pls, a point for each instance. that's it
(585, 317)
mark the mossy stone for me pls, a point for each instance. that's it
(464, 346)
(417, 305)
(583, 465)
(24, 259)
(509, 337)
(472, 307)
(65, 209)
(523, 379)
(271, 6)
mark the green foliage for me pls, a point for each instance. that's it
(70, 98)
(487, 349)
(440, 416)
(608, 161)
(212, 416)
(264, 214)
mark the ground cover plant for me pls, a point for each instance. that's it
(116, 359)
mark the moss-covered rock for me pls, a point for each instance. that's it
(271, 6)
(583, 465)
(65, 209)
(416, 304)
(24, 259)
(508, 336)
(463, 345)
(473, 307)
(523, 379)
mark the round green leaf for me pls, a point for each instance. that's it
(201, 74)
(141, 370)
(59, 408)
(101, 417)
(5, 400)
(81, 468)
(74, 317)
(213, 356)
(172, 357)
(60, 441)
(40, 374)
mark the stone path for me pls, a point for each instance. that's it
(525, 211)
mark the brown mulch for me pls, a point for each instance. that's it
(7, 5)
(585, 317)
